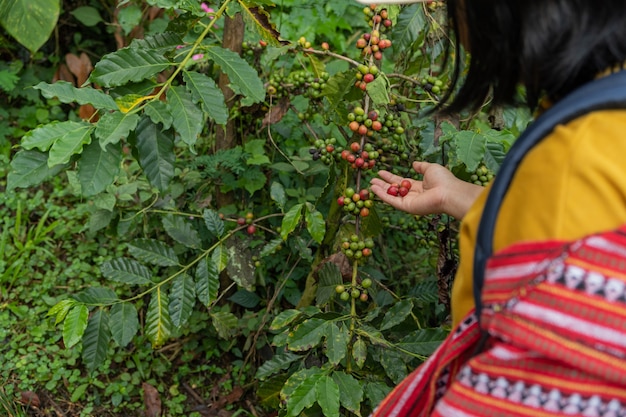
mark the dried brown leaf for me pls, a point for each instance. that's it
(151, 400)
(277, 112)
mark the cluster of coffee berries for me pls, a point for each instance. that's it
(326, 150)
(482, 176)
(373, 44)
(249, 220)
(347, 292)
(401, 189)
(374, 18)
(356, 248)
(360, 158)
(365, 74)
(357, 203)
(432, 84)
(364, 125)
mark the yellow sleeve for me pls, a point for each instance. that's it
(571, 184)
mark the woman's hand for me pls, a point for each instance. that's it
(439, 191)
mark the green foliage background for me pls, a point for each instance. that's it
(170, 245)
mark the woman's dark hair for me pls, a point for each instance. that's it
(548, 46)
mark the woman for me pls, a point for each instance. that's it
(569, 186)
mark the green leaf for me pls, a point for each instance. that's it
(75, 324)
(256, 148)
(96, 340)
(158, 325)
(67, 93)
(161, 42)
(277, 193)
(98, 168)
(219, 257)
(269, 391)
(188, 120)
(494, 156)
(245, 298)
(181, 231)
(291, 220)
(378, 90)
(315, 223)
(71, 143)
(213, 222)
(359, 352)
(470, 148)
(284, 319)
(225, 323)
(327, 395)
(271, 247)
(329, 277)
(128, 64)
(104, 201)
(204, 90)
(243, 78)
(127, 271)
(115, 126)
(410, 25)
(337, 338)
(30, 168)
(423, 341)
(97, 295)
(153, 251)
(376, 391)
(299, 390)
(278, 363)
(45, 136)
(207, 282)
(87, 15)
(394, 364)
(29, 22)
(397, 314)
(351, 391)
(307, 335)
(159, 112)
(253, 180)
(182, 299)
(156, 153)
(124, 323)
(60, 310)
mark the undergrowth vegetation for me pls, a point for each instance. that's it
(186, 226)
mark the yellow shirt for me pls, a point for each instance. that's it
(571, 184)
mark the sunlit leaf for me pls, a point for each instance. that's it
(75, 324)
(315, 223)
(158, 326)
(291, 220)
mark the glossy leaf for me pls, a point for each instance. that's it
(182, 299)
(127, 271)
(213, 222)
(30, 168)
(397, 314)
(96, 340)
(308, 334)
(207, 282)
(299, 390)
(219, 257)
(75, 324)
(225, 324)
(410, 25)
(44, 137)
(124, 323)
(60, 310)
(315, 223)
(156, 153)
(181, 231)
(30, 22)
(337, 338)
(188, 120)
(159, 112)
(153, 251)
(277, 363)
(243, 78)
(351, 391)
(71, 143)
(161, 42)
(327, 395)
(115, 126)
(284, 319)
(470, 148)
(158, 326)
(277, 193)
(65, 92)
(291, 220)
(98, 168)
(126, 65)
(359, 352)
(206, 91)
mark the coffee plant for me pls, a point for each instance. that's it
(235, 164)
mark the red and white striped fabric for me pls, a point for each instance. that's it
(554, 317)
